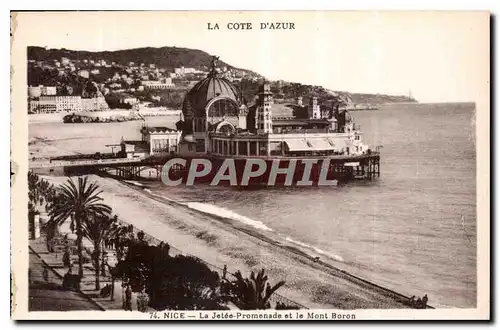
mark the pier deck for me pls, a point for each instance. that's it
(341, 167)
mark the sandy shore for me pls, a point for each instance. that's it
(216, 241)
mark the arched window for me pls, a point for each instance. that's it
(225, 128)
(223, 107)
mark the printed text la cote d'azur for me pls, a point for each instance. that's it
(240, 26)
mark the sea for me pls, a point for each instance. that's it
(413, 230)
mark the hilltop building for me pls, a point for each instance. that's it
(165, 83)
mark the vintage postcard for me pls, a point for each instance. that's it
(305, 165)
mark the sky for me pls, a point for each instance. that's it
(438, 56)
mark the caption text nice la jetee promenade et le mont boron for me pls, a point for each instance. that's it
(254, 168)
(249, 315)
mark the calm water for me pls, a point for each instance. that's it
(413, 230)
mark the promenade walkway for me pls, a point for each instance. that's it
(38, 248)
(46, 292)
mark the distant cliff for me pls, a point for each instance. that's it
(288, 92)
(377, 99)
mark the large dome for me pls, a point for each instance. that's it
(205, 90)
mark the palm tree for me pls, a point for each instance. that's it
(96, 230)
(254, 292)
(35, 194)
(78, 202)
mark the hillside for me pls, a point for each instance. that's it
(169, 58)
(287, 92)
(163, 57)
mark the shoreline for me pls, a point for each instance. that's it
(291, 249)
(57, 117)
(221, 241)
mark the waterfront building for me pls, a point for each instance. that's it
(41, 106)
(214, 125)
(160, 139)
(66, 103)
(48, 104)
(217, 125)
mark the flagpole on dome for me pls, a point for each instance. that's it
(213, 71)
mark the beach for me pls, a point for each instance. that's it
(220, 243)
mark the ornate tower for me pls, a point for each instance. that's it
(264, 120)
(313, 110)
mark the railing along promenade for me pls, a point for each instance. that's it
(64, 163)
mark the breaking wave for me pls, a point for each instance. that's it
(135, 183)
(315, 249)
(225, 213)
